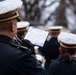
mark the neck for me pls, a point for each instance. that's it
(9, 34)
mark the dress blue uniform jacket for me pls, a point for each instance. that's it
(60, 67)
(15, 60)
(29, 45)
(50, 50)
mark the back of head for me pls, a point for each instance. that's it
(68, 45)
(9, 13)
(22, 28)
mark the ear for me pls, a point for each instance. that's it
(12, 26)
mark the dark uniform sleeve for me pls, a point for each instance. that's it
(28, 64)
(51, 71)
(28, 44)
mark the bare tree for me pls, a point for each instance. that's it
(57, 13)
(32, 11)
(71, 15)
(60, 14)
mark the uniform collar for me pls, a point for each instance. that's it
(5, 39)
(54, 37)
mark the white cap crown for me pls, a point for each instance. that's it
(67, 40)
(9, 5)
(23, 24)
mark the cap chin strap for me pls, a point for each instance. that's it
(67, 46)
(10, 18)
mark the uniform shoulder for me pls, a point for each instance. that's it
(23, 48)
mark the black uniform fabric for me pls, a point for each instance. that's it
(60, 67)
(50, 51)
(26, 43)
(15, 60)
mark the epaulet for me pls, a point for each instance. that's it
(22, 48)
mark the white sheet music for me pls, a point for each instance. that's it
(36, 36)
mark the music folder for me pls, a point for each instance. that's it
(36, 36)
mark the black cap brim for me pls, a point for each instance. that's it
(18, 19)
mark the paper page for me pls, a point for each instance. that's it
(36, 36)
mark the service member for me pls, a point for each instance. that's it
(14, 59)
(22, 28)
(50, 50)
(66, 62)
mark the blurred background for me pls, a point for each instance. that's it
(45, 13)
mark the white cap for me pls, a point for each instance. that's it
(55, 30)
(8, 9)
(23, 25)
(9, 5)
(67, 40)
(55, 27)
